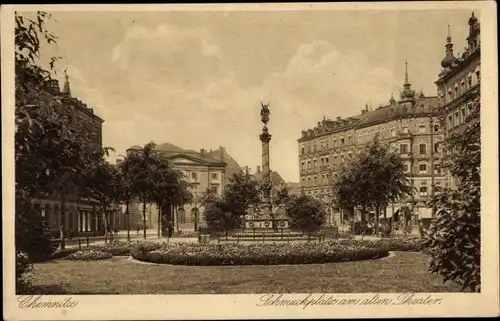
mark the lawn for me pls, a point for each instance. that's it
(404, 272)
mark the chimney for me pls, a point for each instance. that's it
(222, 149)
(319, 125)
(202, 151)
(338, 118)
(258, 169)
(247, 170)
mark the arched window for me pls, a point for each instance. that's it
(423, 191)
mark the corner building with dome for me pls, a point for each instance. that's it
(411, 126)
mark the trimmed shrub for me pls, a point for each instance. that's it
(91, 255)
(256, 254)
(402, 244)
(24, 274)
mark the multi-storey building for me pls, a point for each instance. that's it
(412, 126)
(201, 171)
(408, 126)
(82, 217)
(459, 82)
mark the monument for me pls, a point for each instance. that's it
(266, 219)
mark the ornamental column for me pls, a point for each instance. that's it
(265, 138)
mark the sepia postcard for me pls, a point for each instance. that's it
(249, 161)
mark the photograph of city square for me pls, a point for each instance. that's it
(244, 152)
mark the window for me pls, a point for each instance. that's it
(436, 147)
(405, 130)
(308, 149)
(308, 164)
(463, 114)
(423, 168)
(315, 164)
(194, 175)
(303, 165)
(406, 168)
(349, 138)
(334, 143)
(341, 159)
(315, 180)
(314, 148)
(216, 176)
(403, 149)
(457, 119)
(303, 181)
(478, 76)
(421, 129)
(326, 160)
(214, 189)
(302, 150)
(437, 169)
(436, 128)
(342, 141)
(349, 155)
(423, 190)
(450, 121)
(326, 145)
(323, 179)
(322, 161)
(423, 148)
(469, 81)
(393, 132)
(334, 160)
(308, 181)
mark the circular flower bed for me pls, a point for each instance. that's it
(91, 255)
(255, 254)
(402, 244)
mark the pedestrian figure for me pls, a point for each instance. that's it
(138, 230)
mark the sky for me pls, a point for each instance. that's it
(196, 79)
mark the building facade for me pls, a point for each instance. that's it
(83, 217)
(408, 126)
(459, 83)
(201, 170)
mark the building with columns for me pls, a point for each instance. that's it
(408, 126)
(83, 217)
(459, 82)
(201, 170)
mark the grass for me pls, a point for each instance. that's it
(405, 272)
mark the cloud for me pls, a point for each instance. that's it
(169, 94)
(174, 55)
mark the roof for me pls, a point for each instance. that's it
(232, 167)
(171, 151)
(276, 178)
(422, 106)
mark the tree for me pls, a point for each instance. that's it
(282, 196)
(373, 178)
(455, 236)
(142, 171)
(170, 188)
(53, 148)
(226, 213)
(104, 185)
(243, 190)
(306, 214)
(125, 192)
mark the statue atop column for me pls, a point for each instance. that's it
(265, 138)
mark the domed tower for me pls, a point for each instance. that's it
(408, 94)
(473, 40)
(449, 60)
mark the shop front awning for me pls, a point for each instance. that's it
(390, 211)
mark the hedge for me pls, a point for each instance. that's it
(256, 254)
(401, 244)
(89, 255)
